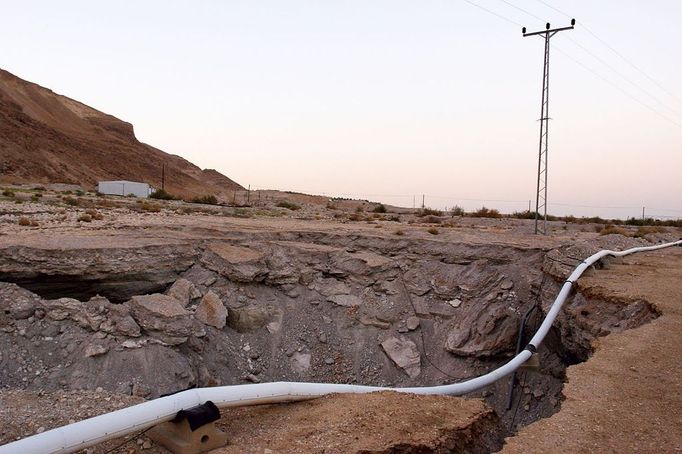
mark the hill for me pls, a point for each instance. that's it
(47, 138)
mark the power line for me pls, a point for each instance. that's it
(627, 79)
(654, 110)
(506, 19)
(621, 56)
(523, 10)
(602, 61)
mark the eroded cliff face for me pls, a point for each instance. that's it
(156, 318)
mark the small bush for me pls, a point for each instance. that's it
(356, 217)
(206, 199)
(35, 197)
(431, 220)
(429, 212)
(288, 205)
(646, 230)
(484, 212)
(94, 214)
(84, 218)
(80, 193)
(160, 194)
(457, 211)
(610, 229)
(39, 188)
(524, 214)
(433, 231)
(241, 213)
(70, 201)
(24, 221)
(381, 208)
(359, 209)
(399, 232)
(150, 207)
(8, 193)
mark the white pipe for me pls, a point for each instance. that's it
(89, 432)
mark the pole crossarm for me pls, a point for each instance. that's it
(541, 194)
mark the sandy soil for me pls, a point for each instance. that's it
(628, 396)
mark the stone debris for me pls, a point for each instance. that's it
(404, 353)
(184, 291)
(211, 311)
(412, 323)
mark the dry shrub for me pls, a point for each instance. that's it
(431, 219)
(84, 218)
(399, 232)
(150, 207)
(612, 229)
(70, 201)
(355, 217)
(646, 230)
(94, 214)
(433, 231)
(24, 221)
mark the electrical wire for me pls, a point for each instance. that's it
(621, 56)
(626, 93)
(506, 19)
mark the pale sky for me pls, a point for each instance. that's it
(382, 99)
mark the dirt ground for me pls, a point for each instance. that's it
(628, 396)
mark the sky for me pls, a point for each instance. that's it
(387, 100)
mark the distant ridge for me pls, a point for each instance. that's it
(49, 138)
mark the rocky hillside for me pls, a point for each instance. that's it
(47, 138)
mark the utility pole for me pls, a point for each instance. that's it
(541, 196)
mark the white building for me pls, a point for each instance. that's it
(125, 188)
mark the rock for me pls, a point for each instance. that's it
(237, 263)
(455, 303)
(131, 344)
(147, 445)
(184, 291)
(373, 321)
(211, 311)
(95, 350)
(248, 318)
(164, 318)
(404, 353)
(141, 390)
(300, 362)
(484, 333)
(323, 338)
(329, 361)
(345, 300)
(412, 323)
(19, 303)
(87, 315)
(251, 377)
(507, 284)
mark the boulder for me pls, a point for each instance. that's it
(404, 353)
(345, 300)
(17, 302)
(211, 311)
(163, 317)
(184, 291)
(248, 318)
(237, 263)
(484, 333)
